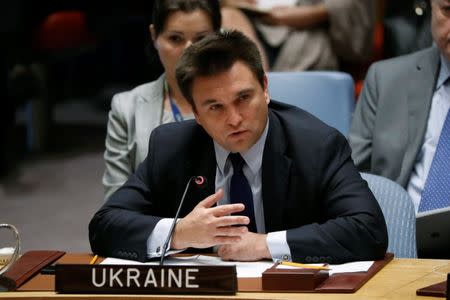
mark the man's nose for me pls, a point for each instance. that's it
(234, 117)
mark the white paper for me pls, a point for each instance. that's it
(357, 266)
(268, 4)
(243, 269)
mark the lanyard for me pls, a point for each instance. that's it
(175, 110)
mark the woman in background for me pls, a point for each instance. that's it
(308, 34)
(176, 24)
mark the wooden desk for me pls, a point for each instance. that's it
(398, 280)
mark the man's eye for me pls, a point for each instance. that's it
(175, 39)
(244, 97)
(445, 10)
(215, 107)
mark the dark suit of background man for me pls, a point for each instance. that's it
(406, 26)
(310, 203)
(400, 117)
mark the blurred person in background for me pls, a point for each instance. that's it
(406, 27)
(313, 35)
(176, 24)
(6, 117)
(15, 35)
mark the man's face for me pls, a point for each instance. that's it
(232, 107)
(440, 25)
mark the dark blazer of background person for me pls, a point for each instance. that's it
(406, 27)
(391, 117)
(310, 187)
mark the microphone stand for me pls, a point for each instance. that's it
(172, 227)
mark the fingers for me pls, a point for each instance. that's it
(227, 209)
(212, 199)
(220, 210)
(227, 240)
(231, 231)
(222, 251)
(231, 221)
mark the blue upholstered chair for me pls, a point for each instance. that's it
(327, 95)
(399, 213)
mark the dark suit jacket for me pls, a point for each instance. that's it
(310, 188)
(391, 116)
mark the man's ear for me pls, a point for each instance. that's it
(266, 89)
(151, 28)
(197, 119)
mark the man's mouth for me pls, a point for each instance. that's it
(237, 133)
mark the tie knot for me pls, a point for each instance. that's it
(237, 161)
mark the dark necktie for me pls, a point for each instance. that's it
(436, 192)
(240, 191)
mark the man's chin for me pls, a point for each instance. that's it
(237, 146)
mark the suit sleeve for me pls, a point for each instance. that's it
(362, 128)
(118, 164)
(351, 226)
(124, 223)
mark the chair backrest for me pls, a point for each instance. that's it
(398, 210)
(327, 95)
(63, 30)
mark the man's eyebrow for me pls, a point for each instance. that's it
(175, 31)
(208, 102)
(245, 91)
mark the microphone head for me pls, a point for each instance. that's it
(200, 181)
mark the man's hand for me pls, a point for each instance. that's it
(206, 226)
(252, 247)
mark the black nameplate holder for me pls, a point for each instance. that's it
(145, 279)
(297, 279)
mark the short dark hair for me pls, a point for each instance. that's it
(163, 8)
(214, 54)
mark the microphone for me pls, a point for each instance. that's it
(199, 181)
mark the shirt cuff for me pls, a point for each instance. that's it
(155, 241)
(278, 246)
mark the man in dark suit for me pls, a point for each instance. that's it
(304, 199)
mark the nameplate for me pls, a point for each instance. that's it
(145, 279)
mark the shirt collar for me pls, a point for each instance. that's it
(444, 72)
(253, 156)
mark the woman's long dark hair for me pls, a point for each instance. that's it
(161, 11)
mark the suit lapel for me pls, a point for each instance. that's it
(148, 115)
(419, 102)
(202, 162)
(275, 175)
(207, 167)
